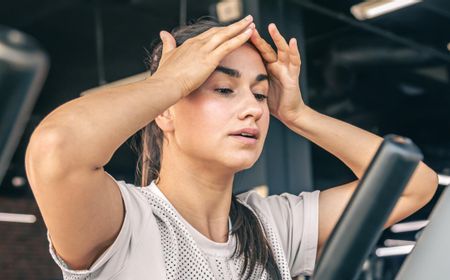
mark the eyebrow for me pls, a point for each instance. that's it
(236, 74)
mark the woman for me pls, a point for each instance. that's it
(203, 115)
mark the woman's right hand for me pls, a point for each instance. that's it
(190, 64)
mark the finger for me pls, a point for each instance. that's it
(266, 50)
(168, 41)
(222, 35)
(232, 44)
(280, 42)
(294, 53)
(208, 33)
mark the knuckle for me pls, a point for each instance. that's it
(189, 41)
(240, 23)
(215, 39)
(214, 29)
(227, 47)
(202, 44)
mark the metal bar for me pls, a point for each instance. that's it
(363, 219)
(444, 180)
(394, 251)
(409, 226)
(437, 10)
(26, 66)
(373, 29)
(183, 12)
(17, 218)
(99, 43)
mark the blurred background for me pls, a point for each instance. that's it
(383, 66)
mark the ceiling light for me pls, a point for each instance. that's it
(374, 8)
(17, 218)
(229, 10)
(393, 251)
(18, 181)
(444, 180)
(409, 226)
(397, 242)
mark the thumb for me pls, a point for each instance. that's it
(168, 40)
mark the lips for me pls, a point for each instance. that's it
(252, 133)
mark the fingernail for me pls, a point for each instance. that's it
(248, 18)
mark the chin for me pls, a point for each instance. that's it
(241, 164)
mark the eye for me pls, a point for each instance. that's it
(260, 97)
(224, 91)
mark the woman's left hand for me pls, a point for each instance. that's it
(285, 99)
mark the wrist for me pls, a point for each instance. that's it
(169, 87)
(298, 117)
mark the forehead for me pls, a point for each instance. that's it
(246, 59)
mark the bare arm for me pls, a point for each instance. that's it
(353, 146)
(81, 205)
(356, 148)
(91, 128)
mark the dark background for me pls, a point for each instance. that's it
(386, 75)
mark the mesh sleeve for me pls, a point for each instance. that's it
(296, 219)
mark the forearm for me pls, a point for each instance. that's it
(355, 147)
(91, 128)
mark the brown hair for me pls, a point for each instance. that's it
(246, 227)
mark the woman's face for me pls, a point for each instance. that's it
(224, 122)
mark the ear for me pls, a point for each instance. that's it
(165, 120)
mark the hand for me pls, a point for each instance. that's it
(191, 63)
(285, 99)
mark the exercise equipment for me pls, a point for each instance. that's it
(23, 69)
(363, 219)
(429, 258)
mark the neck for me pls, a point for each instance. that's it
(199, 193)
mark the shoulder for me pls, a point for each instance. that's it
(282, 202)
(292, 221)
(136, 204)
(138, 236)
(131, 193)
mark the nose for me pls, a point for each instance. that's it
(250, 106)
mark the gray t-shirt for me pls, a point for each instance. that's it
(155, 242)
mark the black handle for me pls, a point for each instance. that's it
(362, 221)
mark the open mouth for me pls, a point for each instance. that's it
(246, 138)
(247, 135)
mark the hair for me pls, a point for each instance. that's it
(251, 241)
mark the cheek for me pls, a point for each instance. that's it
(210, 111)
(265, 120)
(201, 115)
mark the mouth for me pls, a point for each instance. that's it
(245, 139)
(246, 135)
(249, 133)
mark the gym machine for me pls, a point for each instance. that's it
(361, 225)
(23, 70)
